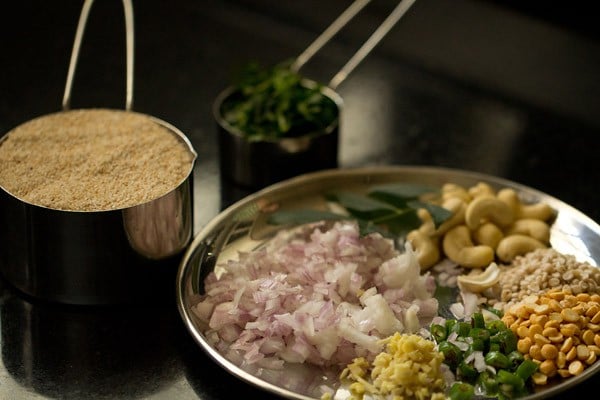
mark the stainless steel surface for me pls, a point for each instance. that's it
(328, 33)
(382, 30)
(243, 226)
(129, 40)
(99, 257)
(370, 44)
(162, 227)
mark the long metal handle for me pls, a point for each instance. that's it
(85, 11)
(370, 44)
(328, 33)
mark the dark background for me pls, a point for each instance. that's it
(506, 88)
(502, 87)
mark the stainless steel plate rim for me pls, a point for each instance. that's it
(362, 175)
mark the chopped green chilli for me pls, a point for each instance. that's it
(483, 358)
(461, 391)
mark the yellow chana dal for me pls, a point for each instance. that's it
(409, 368)
(557, 329)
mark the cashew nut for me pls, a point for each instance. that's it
(488, 225)
(452, 190)
(458, 208)
(516, 245)
(541, 211)
(488, 208)
(511, 198)
(488, 234)
(458, 247)
(481, 189)
(426, 249)
(427, 225)
(535, 228)
(480, 282)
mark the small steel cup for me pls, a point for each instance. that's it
(256, 164)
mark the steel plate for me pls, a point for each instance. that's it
(243, 226)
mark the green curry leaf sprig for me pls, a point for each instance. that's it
(390, 209)
(273, 103)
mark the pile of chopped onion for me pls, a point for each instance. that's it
(322, 294)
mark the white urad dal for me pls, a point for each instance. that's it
(322, 295)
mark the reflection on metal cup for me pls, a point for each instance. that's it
(162, 227)
(95, 257)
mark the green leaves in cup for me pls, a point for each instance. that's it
(273, 103)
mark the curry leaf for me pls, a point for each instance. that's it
(438, 214)
(446, 296)
(401, 222)
(306, 216)
(367, 227)
(398, 194)
(276, 102)
(388, 209)
(362, 206)
(302, 216)
(396, 220)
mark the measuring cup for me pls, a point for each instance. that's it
(124, 255)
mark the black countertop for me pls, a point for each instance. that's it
(475, 85)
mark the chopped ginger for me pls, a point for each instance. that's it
(409, 368)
